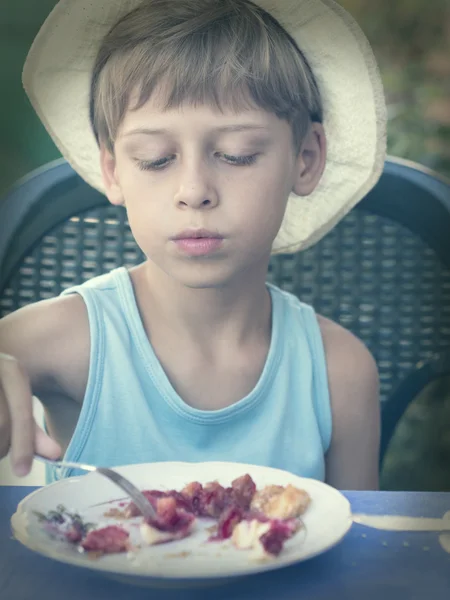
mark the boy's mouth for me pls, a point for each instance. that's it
(198, 242)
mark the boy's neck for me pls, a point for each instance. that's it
(235, 311)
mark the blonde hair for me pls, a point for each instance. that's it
(225, 53)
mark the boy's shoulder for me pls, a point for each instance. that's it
(352, 370)
(342, 346)
(352, 459)
(51, 341)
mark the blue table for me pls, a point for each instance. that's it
(366, 565)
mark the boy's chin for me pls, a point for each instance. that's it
(201, 278)
(205, 283)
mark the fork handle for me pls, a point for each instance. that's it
(65, 463)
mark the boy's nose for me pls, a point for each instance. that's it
(196, 192)
(195, 197)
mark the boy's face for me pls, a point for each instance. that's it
(195, 171)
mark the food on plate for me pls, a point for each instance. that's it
(265, 536)
(259, 520)
(107, 540)
(172, 523)
(278, 502)
(254, 530)
(209, 500)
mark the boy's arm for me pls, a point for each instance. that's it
(352, 461)
(44, 350)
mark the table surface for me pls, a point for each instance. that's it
(368, 564)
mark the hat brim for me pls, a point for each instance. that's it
(57, 73)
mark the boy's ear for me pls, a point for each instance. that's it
(310, 160)
(113, 190)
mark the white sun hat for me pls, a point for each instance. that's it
(58, 69)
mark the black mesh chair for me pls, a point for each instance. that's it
(383, 272)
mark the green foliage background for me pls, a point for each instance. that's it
(411, 40)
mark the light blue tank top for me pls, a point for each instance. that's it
(131, 413)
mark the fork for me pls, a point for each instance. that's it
(135, 494)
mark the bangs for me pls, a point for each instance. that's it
(237, 58)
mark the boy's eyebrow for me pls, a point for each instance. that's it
(222, 129)
(241, 127)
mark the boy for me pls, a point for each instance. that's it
(228, 129)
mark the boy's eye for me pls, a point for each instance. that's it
(161, 163)
(240, 161)
(145, 165)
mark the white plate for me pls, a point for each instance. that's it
(326, 521)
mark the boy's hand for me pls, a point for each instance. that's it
(19, 433)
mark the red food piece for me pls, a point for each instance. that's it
(204, 501)
(108, 540)
(228, 505)
(172, 519)
(153, 496)
(181, 501)
(192, 493)
(279, 532)
(243, 489)
(272, 540)
(208, 501)
(227, 522)
(213, 500)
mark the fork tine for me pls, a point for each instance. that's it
(135, 494)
